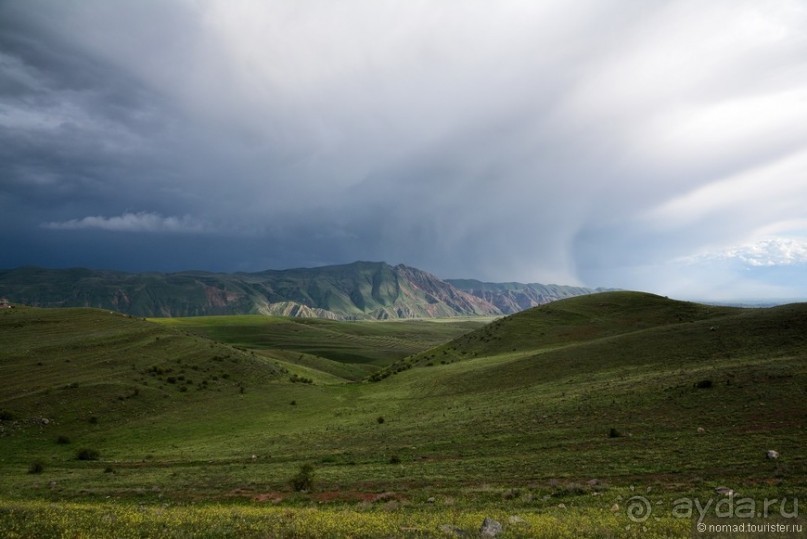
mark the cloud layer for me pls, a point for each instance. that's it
(586, 142)
(130, 222)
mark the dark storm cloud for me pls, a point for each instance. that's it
(609, 143)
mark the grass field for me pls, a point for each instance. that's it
(552, 421)
(348, 350)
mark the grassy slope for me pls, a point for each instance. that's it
(535, 419)
(350, 350)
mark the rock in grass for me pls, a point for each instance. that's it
(453, 530)
(725, 491)
(490, 528)
(772, 454)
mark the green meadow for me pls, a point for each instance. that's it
(561, 421)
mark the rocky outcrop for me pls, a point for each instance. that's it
(514, 297)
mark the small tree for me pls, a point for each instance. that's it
(88, 454)
(304, 480)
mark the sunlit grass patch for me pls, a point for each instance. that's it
(20, 519)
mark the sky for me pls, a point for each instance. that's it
(638, 144)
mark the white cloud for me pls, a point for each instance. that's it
(753, 198)
(763, 253)
(131, 222)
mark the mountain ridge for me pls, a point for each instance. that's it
(358, 290)
(513, 297)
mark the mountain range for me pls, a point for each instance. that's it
(360, 290)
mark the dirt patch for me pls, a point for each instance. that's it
(271, 497)
(355, 496)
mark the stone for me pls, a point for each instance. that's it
(490, 528)
(615, 508)
(453, 530)
(772, 454)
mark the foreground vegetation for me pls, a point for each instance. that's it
(104, 519)
(549, 421)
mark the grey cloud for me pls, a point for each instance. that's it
(543, 141)
(131, 222)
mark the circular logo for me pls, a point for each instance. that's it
(638, 509)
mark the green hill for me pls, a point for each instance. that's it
(351, 350)
(569, 322)
(68, 365)
(565, 412)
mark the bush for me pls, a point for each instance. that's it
(395, 459)
(380, 420)
(5, 415)
(704, 384)
(36, 467)
(88, 454)
(569, 489)
(613, 433)
(62, 439)
(304, 480)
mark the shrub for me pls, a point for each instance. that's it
(5, 415)
(88, 454)
(613, 433)
(380, 420)
(569, 489)
(36, 467)
(395, 459)
(62, 439)
(93, 420)
(704, 384)
(304, 480)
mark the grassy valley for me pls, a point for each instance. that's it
(551, 421)
(354, 349)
